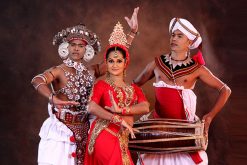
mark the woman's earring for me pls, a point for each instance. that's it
(124, 73)
(107, 74)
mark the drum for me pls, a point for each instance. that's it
(168, 136)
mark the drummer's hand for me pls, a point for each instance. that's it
(133, 22)
(114, 108)
(207, 119)
(60, 103)
(131, 130)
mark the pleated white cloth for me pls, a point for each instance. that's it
(171, 159)
(55, 147)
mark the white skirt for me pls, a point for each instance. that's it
(55, 147)
(171, 159)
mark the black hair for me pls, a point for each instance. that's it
(121, 50)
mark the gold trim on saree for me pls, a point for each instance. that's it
(99, 127)
(123, 139)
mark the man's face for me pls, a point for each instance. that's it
(179, 42)
(76, 50)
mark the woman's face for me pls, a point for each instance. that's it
(115, 63)
(76, 50)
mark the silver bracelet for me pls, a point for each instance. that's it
(130, 35)
(222, 87)
(37, 86)
(42, 77)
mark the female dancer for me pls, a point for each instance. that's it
(115, 103)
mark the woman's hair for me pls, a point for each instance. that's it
(122, 51)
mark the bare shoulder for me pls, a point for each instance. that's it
(149, 69)
(204, 71)
(151, 64)
(209, 78)
(55, 70)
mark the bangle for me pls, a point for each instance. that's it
(130, 35)
(125, 110)
(42, 77)
(116, 119)
(51, 98)
(52, 75)
(224, 85)
(136, 33)
(37, 86)
(128, 45)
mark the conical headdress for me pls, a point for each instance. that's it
(118, 39)
(118, 36)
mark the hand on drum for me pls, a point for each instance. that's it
(114, 108)
(131, 130)
(207, 121)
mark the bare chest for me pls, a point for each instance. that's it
(188, 81)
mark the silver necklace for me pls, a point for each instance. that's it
(78, 66)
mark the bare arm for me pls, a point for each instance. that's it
(41, 82)
(139, 109)
(133, 24)
(146, 74)
(98, 111)
(224, 92)
(99, 69)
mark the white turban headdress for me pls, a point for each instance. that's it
(187, 29)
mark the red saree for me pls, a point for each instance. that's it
(107, 142)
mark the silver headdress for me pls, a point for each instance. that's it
(79, 31)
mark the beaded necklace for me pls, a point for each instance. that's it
(128, 89)
(79, 85)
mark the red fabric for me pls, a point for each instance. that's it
(107, 148)
(73, 154)
(169, 104)
(199, 58)
(196, 157)
(72, 138)
(100, 94)
(78, 38)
